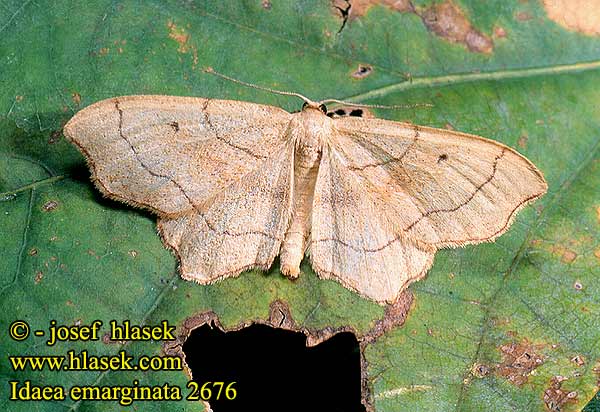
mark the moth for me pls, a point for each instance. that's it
(235, 184)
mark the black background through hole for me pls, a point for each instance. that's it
(275, 371)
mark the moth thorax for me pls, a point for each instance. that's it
(312, 126)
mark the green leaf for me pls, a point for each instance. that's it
(71, 256)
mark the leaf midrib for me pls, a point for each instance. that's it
(460, 78)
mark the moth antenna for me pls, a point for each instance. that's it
(254, 86)
(376, 106)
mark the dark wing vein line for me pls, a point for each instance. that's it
(222, 139)
(430, 212)
(169, 178)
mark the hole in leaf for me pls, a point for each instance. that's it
(363, 71)
(273, 370)
(356, 113)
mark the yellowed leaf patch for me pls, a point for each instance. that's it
(577, 15)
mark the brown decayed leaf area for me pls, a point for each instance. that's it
(480, 370)
(576, 15)
(76, 97)
(555, 397)
(357, 201)
(360, 7)
(50, 206)
(566, 255)
(449, 22)
(518, 361)
(183, 40)
(444, 19)
(55, 136)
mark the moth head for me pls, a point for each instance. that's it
(310, 105)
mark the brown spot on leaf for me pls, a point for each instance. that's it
(133, 253)
(50, 205)
(266, 4)
(480, 370)
(555, 397)
(183, 40)
(499, 32)
(180, 36)
(518, 361)
(597, 253)
(522, 142)
(54, 136)
(76, 97)
(596, 370)
(103, 51)
(19, 98)
(523, 16)
(448, 21)
(39, 275)
(362, 71)
(582, 16)
(70, 303)
(566, 255)
(598, 214)
(32, 252)
(578, 360)
(108, 341)
(577, 285)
